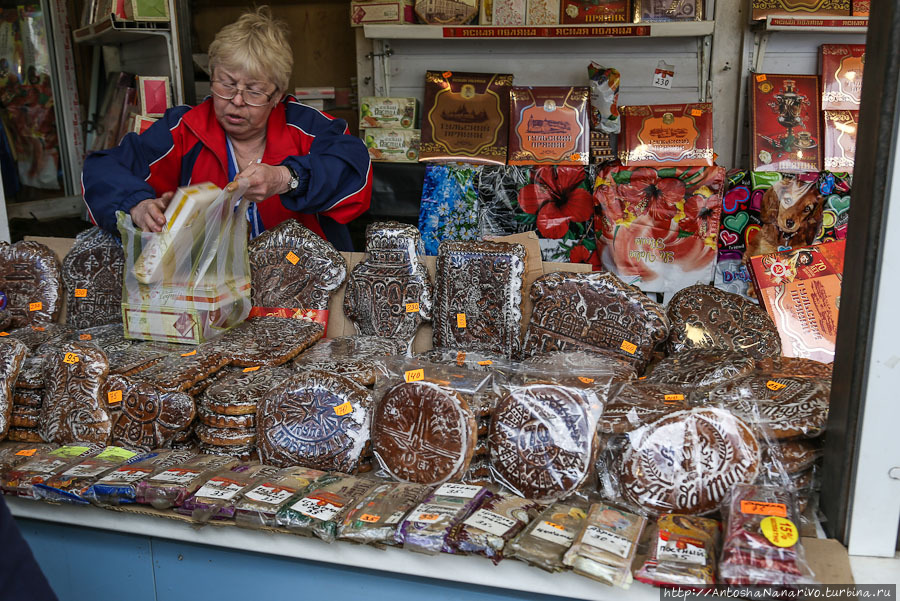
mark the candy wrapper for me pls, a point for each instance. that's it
(496, 521)
(69, 486)
(320, 511)
(683, 554)
(449, 206)
(121, 486)
(216, 500)
(762, 544)
(171, 487)
(427, 527)
(604, 84)
(606, 545)
(375, 517)
(43, 465)
(259, 505)
(545, 541)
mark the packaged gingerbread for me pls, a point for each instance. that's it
(43, 465)
(605, 547)
(16, 453)
(69, 486)
(121, 485)
(427, 527)
(375, 517)
(683, 553)
(260, 504)
(545, 540)
(320, 510)
(496, 521)
(217, 498)
(171, 487)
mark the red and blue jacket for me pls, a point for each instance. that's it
(187, 145)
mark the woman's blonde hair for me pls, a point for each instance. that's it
(257, 43)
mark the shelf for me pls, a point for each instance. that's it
(509, 574)
(815, 24)
(115, 31)
(610, 30)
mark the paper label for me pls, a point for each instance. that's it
(696, 112)
(628, 347)
(586, 380)
(607, 541)
(318, 509)
(395, 518)
(270, 494)
(428, 513)
(26, 452)
(69, 451)
(4, 333)
(669, 551)
(220, 488)
(673, 397)
(44, 466)
(35, 306)
(760, 78)
(114, 396)
(84, 337)
(81, 293)
(447, 74)
(491, 522)
(460, 358)
(38, 328)
(249, 369)
(460, 320)
(85, 470)
(555, 533)
(663, 78)
(761, 508)
(176, 476)
(414, 375)
(343, 409)
(775, 386)
(116, 454)
(452, 489)
(70, 358)
(412, 307)
(292, 258)
(780, 532)
(127, 474)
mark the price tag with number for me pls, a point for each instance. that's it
(414, 375)
(343, 409)
(35, 306)
(664, 75)
(70, 358)
(81, 293)
(412, 307)
(114, 396)
(460, 320)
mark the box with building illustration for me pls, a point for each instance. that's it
(549, 125)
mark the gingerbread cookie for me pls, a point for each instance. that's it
(594, 311)
(217, 420)
(353, 357)
(92, 272)
(26, 397)
(226, 437)
(267, 341)
(150, 418)
(478, 303)
(239, 391)
(25, 417)
(424, 432)
(180, 372)
(12, 356)
(688, 461)
(73, 409)
(314, 419)
(36, 336)
(704, 316)
(542, 441)
(594, 361)
(701, 368)
(24, 435)
(641, 402)
(31, 282)
(778, 367)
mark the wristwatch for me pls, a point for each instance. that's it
(294, 181)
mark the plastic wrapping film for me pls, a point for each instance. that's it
(43, 465)
(121, 485)
(70, 485)
(595, 361)
(267, 340)
(499, 212)
(473, 360)
(604, 84)
(218, 497)
(261, 503)
(683, 554)
(543, 439)
(196, 268)
(700, 369)
(13, 454)
(31, 282)
(237, 392)
(796, 367)
(544, 542)
(449, 205)
(496, 521)
(600, 379)
(35, 336)
(427, 527)
(320, 510)
(92, 272)
(171, 487)
(640, 402)
(354, 357)
(12, 358)
(761, 543)
(376, 516)
(606, 545)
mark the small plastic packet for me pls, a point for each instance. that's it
(171, 487)
(427, 527)
(683, 553)
(496, 521)
(217, 498)
(69, 486)
(544, 542)
(259, 505)
(604, 84)
(605, 547)
(16, 453)
(43, 465)
(320, 510)
(762, 541)
(375, 517)
(120, 486)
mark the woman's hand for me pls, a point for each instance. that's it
(148, 214)
(264, 181)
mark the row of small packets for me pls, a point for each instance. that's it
(661, 229)
(601, 541)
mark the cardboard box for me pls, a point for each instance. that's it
(542, 12)
(389, 113)
(841, 66)
(447, 12)
(549, 125)
(485, 12)
(784, 123)
(801, 290)
(367, 12)
(666, 135)
(149, 10)
(508, 13)
(314, 92)
(760, 9)
(860, 8)
(650, 11)
(594, 11)
(840, 140)
(393, 145)
(154, 95)
(464, 117)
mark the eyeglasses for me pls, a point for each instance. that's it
(227, 91)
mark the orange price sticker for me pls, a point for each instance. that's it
(81, 293)
(460, 320)
(427, 517)
(576, 156)
(414, 375)
(628, 347)
(673, 397)
(190, 354)
(760, 78)
(249, 369)
(460, 357)
(70, 358)
(412, 307)
(343, 409)
(781, 532)
(696, 112)
(554, 525)
(35, 306)
(761, 508)
(774, 386)
(26, 452)
(586, 380)
(447, 74)
(84, 337)
(292, 258)
(368, 517)
(4, 333)
(114, 396)
(38, 328)
(486, 362)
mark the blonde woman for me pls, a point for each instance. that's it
(299, 163)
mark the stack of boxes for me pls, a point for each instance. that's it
(842, 77)
(389, 128)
